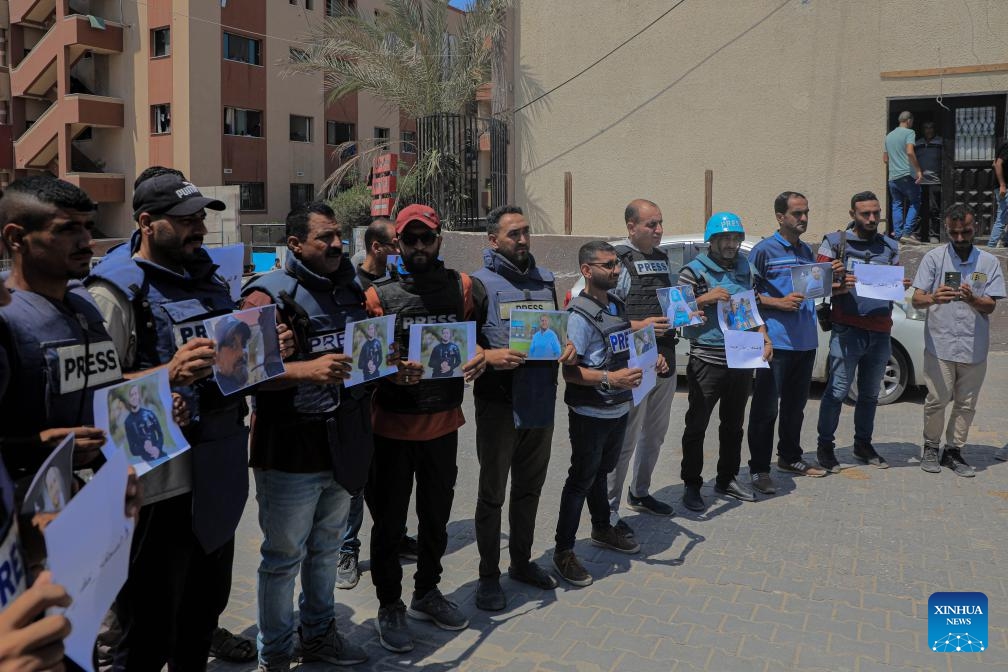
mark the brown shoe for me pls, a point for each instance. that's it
(801, 467)
(570, 569)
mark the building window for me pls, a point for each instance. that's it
(338, 132)
(242, 122)
(160, 42)
(252, 195)
(160, 119)
(300, 128)
(242, 49)
(301, 194)
(381, 137)
(407, 142)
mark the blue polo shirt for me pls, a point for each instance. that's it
(771, 260)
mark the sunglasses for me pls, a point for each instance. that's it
(425, 238)
(608, 265)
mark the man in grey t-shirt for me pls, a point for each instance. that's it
(958, 284)
(904, 175)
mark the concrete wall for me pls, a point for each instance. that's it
(770, 94)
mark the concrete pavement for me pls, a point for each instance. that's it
(829, 574)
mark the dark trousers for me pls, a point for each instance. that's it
(785, 385)
(393, 468)
(929, 218)
(525, 454)
(595, 447)
(708, 385)
(169, 606)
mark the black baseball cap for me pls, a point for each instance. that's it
(171, 195)
(230, 326)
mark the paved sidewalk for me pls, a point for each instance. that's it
(829, 574)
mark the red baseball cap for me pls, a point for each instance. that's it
(417, 213)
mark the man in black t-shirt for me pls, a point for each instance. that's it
(997, 237)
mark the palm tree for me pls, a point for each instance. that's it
(406, 57)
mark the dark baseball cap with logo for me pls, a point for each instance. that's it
(171, 195)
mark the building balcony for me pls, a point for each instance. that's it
(36, 74)
(101, 187)
(31, 11)
(38, 146)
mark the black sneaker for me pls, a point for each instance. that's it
(282, 664)
(570, 569)
(347, 573)
(624, 529)
(735, 490)
(408, 548)
(764, 484)
(929, 460)
(865, 452)
(439, 609)
(952, 459)
(393, 633)
(533, 575)
(800, 467)
(648, 504)
(692, 500)
(827, 459)
(490, 595)
(611, 538)
(331, 648)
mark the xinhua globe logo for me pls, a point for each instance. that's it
(957, 622)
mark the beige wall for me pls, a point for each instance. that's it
(771, 95)
(196, 91)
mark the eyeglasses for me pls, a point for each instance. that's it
(425, 238)
(608, 265)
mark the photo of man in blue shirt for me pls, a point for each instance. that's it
(545, 342)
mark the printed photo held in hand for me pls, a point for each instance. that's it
(137, 415)
(644, 356)
(46, 497)
(739, 312)
(813, 281)
(247, 348)
(539, 334)
(679, 305)
(368, 349)
(442, 348)
(89, 552)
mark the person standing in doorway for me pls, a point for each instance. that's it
(904, 175)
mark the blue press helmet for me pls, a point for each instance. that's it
(722, 222)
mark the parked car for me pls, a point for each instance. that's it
(905, 364)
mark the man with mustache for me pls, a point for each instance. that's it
(956, 336)
(416, 432)
(232, 339)
(154, 292)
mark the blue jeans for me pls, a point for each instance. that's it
(302, 517)
(595, 447)
(998, 230)
(785, 385)
(850, 349)
(904, 189)
(355, 519)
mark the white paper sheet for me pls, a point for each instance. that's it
(744, 350)
(879, 281)
(89, 549)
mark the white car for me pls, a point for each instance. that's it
(906, 362)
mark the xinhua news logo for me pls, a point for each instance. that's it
(957, 622)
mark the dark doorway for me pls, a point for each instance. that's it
(970, 130)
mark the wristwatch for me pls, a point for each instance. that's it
(604, 384)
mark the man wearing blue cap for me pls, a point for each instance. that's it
(716, 275)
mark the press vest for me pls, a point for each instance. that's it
(318, 310)
(711, 274)
(878, 250)
(59, 353)
(12, 568)
(615, 330)
(169, 310)
(428, 298)
(648, 273)
(530, 388)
